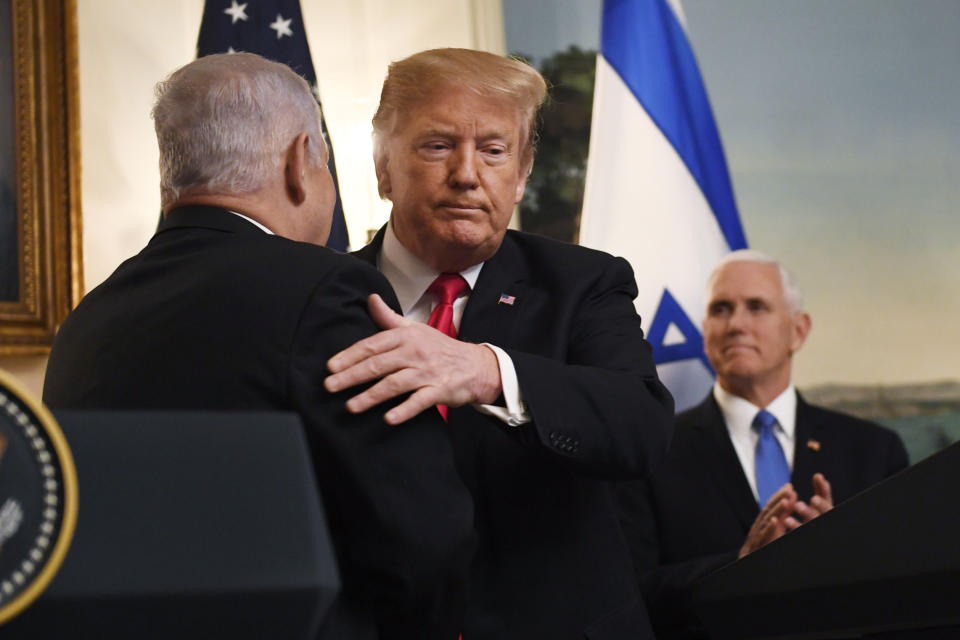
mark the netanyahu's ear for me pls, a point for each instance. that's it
(801, 329)
(295, 172)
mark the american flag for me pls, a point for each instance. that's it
(273, 29)
(506, 299)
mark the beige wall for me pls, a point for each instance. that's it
(126, 47)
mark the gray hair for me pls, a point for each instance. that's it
(788, 282)
(224, 121)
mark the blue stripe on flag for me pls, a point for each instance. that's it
(646, 45)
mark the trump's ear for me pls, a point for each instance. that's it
(295, 176)
(381, 166)
(521, 187)
(522, 184)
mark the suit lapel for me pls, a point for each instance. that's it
(370, 252)
(808, 457)
(716, 452)
(487, 318)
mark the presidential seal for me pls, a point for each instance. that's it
(38, 498)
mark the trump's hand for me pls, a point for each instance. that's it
(412, 357)
(774, 520)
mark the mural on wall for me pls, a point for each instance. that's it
(838, 122)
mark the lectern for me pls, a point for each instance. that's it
(190, 525)
(884, 564)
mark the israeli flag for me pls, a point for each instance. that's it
(657, 188)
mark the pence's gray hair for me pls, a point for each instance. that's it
(788, 282)
(224, 122)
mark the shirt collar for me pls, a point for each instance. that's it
(253, 222)
(409, 275)
(738, 413)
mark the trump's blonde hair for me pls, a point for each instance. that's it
(423, 74)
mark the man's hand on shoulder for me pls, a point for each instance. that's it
(410, 357)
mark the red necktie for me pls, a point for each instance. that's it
(447, 287)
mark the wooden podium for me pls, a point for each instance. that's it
(884, 564)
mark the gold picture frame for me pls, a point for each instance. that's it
(46, 127)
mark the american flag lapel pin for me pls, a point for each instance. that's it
(813, 445)
(506, 299)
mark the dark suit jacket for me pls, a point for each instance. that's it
(216, 314)
(552, 561)
(693, 515)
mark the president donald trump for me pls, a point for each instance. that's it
(531, 348)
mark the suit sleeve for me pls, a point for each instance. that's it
(602, 410)
(400, 517)
(667, 588)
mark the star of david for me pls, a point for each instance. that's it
(669, 314)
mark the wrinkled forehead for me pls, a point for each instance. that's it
(460, 106)
(744, 280)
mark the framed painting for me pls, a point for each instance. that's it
(40, 232)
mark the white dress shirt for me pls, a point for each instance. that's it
(738, 414)
(410, 278)
(253, 222)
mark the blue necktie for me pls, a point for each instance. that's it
(771, 465)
